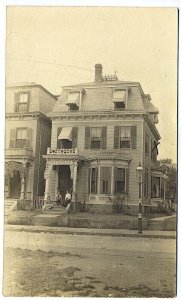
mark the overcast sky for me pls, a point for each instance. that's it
(56, 46)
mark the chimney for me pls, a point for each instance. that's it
(98, 72)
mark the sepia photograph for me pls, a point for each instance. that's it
(90, 153)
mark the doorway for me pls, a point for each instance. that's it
(15, 185)
(64, 180)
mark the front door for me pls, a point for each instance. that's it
(15, 185)
(64, 180)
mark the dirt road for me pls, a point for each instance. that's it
(40, 264)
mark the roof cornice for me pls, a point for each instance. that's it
(152, 127)
(19, 115)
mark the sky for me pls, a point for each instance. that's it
(57, 46)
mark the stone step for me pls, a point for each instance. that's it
(57, 210)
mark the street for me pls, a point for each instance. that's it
(47, 264)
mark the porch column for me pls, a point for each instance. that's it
(74, 182)
(9, 185)
(46, 189)
(48, 170)
(22, 176)
(112, 181)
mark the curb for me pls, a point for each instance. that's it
(113, 234)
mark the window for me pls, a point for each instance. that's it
(119, 99)
(95, 137)
(105, 180)
(93, 181)
(21, 101)
(21, 136)
(155, 187)
(120, 182)
(125, 137)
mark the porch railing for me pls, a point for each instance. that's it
(38, 203)
(61, 151)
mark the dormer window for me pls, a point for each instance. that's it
(73, 101)
(119, 99)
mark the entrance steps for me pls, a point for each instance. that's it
(8, 203)
(56, 210)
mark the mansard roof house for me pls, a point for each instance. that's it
(101, 132)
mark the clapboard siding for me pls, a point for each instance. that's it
(21, 124)
(46, 102)
(42, 143)
(82, 185)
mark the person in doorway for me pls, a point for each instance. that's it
(154, 191)
(59, 199)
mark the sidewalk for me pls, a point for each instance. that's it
(92, 231)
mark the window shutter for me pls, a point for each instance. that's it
(96, 178)
(74, 137)
(16, 99)
(59, 129)
(116, 137)
(87, 137)
(29, 138)
(127, 181)
(133, 137)
(12, 138)
(104, 137)
(89, 180)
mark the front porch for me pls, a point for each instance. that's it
(18, 178)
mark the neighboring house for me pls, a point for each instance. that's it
(101, 131)
(28, 134)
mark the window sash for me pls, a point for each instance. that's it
(105, 180)
(125, 132)
(120, 180)
(119, 105)
(96, 132)
(105, 186)
(21, 134)
(73, 106)
(93, 181)
(23, 98)
(95, 144)
(20, 143)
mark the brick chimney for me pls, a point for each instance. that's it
(98, 72)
